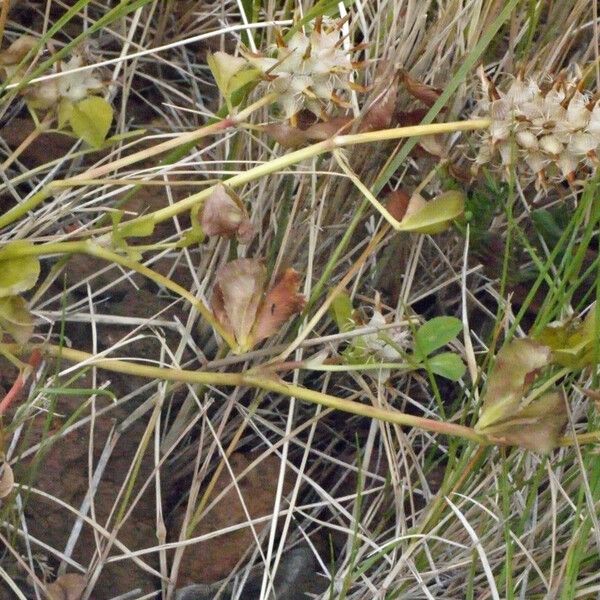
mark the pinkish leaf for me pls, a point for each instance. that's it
(225, 215)
(324, 130)
(286, 135)
(237, 295)
(281, 302)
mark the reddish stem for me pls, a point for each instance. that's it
(34, 362)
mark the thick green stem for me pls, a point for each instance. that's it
(292, 158)
(266, 383)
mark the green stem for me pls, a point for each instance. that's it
(189, 137)
(292, 158)
(266, 383)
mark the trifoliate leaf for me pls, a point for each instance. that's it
(15, 318)
(448, 365)
(91, 119)
(434, 334)
(17, 274)
(436, 215)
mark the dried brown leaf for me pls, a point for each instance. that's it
(281, 302)
(381, 112)
(17, 51)
(536, 427)
(323, 130)
(7, 480)
(224, 215)
(237, 295)
(516, 368)
(425, 93)
(286, 135)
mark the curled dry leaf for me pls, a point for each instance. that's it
(16, 52)
(15, 319)
(224, 214)
(241, 305)
(281, 302)
(507, 416)
(536, 427)
(69, 586)
(294, 137)
(425, 93)
(517, 365)
(7, 480)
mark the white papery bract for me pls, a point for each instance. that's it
(311, 70)
(552, 132)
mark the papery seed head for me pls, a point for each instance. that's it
(527, 140)
(551, 145)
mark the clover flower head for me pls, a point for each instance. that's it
(311, 70)
(77, 86)
(47, 94)
(553, 131)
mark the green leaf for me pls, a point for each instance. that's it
(514, 372)
(436, 215)
(448, 365)
(341, 311)
(434, 334)
(195, 235)
(15, 318)
(572, 343)
(139, 228)
(231, 73)
(65, 110)
(17, 274)
(91, 119)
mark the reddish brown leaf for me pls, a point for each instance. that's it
(326, 129)
(381, 112)
(411, 117)
(425, 93)
(397, 204)
(281, 302)
(286, 135)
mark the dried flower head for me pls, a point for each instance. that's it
(311, 70)
(246, 309)
(223, 214)
(46, 95)
(554, 131)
